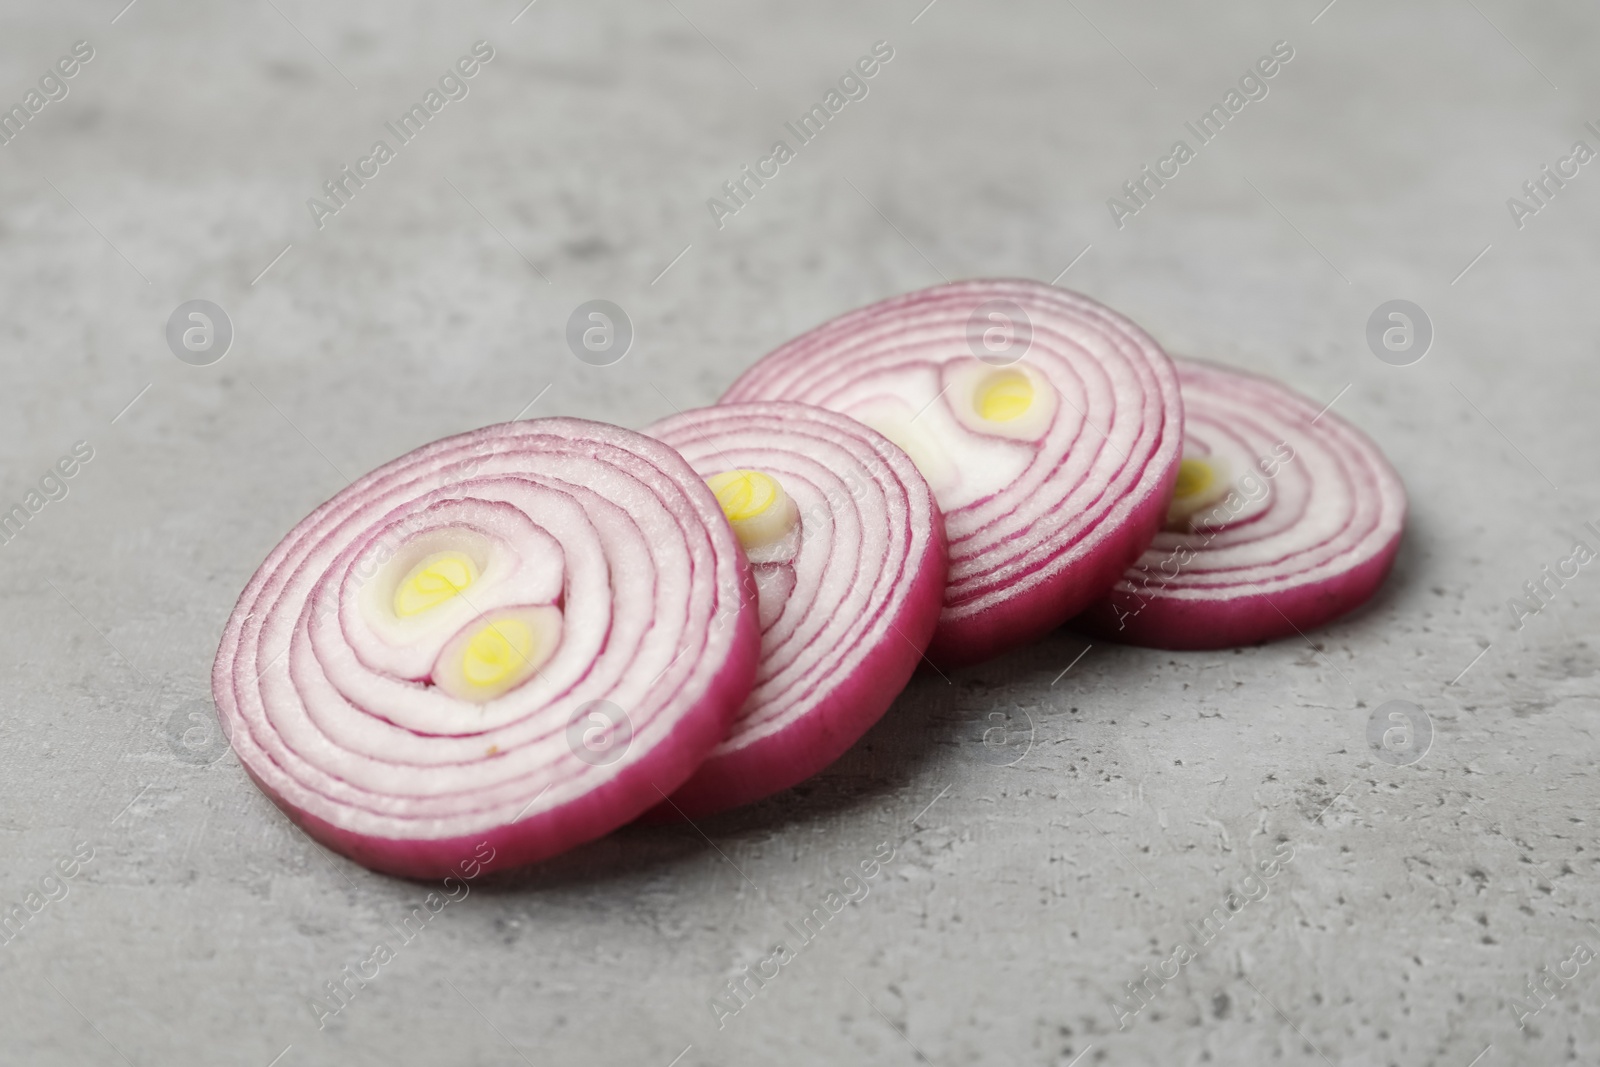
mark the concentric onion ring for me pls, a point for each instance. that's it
(1305, 530)
(1052, 464)
(847, 546)
(522, 636)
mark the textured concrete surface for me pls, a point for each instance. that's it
(1410, 905)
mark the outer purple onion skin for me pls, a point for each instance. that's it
(1144, 610)
(1055, 600)
(740, 771)
(1189, 627)
(686, 711)
(1024, 558)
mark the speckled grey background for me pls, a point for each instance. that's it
(1142, 788)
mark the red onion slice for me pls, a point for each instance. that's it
(848, 550)
(519, 637)
(1305, 528)
(1052, 455)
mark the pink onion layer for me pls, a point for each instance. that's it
(847, 607)
(331, 708)
(1038, 528)
(1307, 533)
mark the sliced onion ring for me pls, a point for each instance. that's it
(1052, 464)
(850, 594)
(595, 552)
(1306, 532)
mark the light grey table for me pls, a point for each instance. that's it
(1419, 900)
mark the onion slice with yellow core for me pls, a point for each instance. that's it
(499, 645)
(850, 570)
(1286, 517)
(1052, 457)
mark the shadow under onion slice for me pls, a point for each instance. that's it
(506, 642)
(1047, 425)
(1283, 518)
(847, 547)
